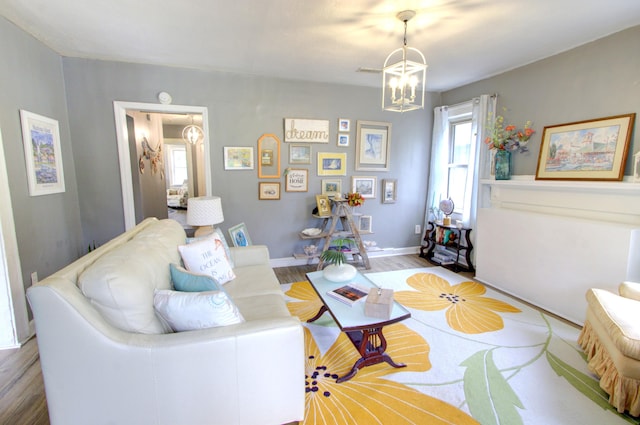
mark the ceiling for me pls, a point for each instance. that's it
(322, 40)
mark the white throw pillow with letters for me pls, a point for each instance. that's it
(207, 256)
(188, 311)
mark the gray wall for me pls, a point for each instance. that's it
(595, 80)
(241, 109)
(47, 227)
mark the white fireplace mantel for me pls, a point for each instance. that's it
(614, 202)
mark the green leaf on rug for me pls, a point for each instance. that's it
(580, 381)
(491, 399)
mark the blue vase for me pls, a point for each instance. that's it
(503, 165)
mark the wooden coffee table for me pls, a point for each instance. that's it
(364, 332)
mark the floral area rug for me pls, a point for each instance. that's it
(473, 356)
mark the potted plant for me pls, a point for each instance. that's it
(338, 269)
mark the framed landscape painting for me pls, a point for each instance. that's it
(299, 154)
(238, 158)
(41, 139)
(586, 150)
(365, 186)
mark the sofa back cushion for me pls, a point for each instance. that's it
(122, 282)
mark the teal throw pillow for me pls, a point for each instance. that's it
(185, 281)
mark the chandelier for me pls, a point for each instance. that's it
(404, 75)
(192, 133)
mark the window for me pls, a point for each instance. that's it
(177, 164)
(459, 155)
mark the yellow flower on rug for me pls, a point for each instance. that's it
(367, 398)
(309, 303)
(467, 310)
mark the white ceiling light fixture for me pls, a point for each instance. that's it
(404, 75)
(192, 133)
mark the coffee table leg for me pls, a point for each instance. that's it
(320, 313)
(371, 344)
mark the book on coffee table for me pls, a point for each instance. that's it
(349, 294)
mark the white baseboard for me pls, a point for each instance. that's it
(381, 252)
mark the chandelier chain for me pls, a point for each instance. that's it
(405, 32)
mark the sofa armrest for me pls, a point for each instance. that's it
(630, 290)
(169, 378)
(250, 255)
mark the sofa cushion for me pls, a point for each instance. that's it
(262, 307)
(253, 280)
(121, 283)
(619, 316)
(188, 311)
(186, 281)
(222, 239)
(207, 256)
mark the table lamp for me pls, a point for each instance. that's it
(204, 212)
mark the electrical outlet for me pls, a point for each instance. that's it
(34, 278)
(417, 229)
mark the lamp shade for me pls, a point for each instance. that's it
(204, 211)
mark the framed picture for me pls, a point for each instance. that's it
(344, 125)
(364, 224)
(239, 235)
(41, 139)
(636, 168)
(332, 164)
(389, 190)
(343, 140)
(585, 150)
(296, 180)
(332, 187)
(299, 154)
(269, 151)
(324, 205)
(372, 145)
(266, 157)
(238, 158)
(269, 190)
(365, 186)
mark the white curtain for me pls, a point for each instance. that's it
(482, 107)
(439, 160)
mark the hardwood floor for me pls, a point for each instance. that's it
(22, 398)
(379, 264)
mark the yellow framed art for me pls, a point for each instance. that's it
(332, 164)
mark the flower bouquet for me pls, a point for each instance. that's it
(355, 199)
(507, 137)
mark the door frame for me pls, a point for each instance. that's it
(14, 320)
(120, 111)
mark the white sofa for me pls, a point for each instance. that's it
(97, 373)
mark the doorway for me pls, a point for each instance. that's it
(199, 176)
